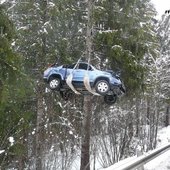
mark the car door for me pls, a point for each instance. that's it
(69, 69)
(84, 70)
(79, 72)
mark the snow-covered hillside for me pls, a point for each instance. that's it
(162, 162)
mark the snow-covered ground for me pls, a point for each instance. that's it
(163, 136)
(162, 162)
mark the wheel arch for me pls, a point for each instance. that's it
(101, 78)
(55, 76)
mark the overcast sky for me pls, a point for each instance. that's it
(161, 6)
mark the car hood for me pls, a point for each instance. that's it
(48, 70)
(103, 73)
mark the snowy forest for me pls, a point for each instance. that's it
(41, 131)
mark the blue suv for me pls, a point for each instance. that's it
(84, 78)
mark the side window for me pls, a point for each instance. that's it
(84, 66)
(71, 66)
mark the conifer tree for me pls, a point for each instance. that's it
(12, 97)
(124, 38)
(164, 63)
(46, 33)
(55, 30)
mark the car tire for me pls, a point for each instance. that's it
(54, 83)
(102, 87)
(66, 95)
(110, 99)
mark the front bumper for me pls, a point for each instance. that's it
(116, 89)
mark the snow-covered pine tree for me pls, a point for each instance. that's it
(55, 30)
(124, 38)
(164, 63)
(49, 32)
(12, 97)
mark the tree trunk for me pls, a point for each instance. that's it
(167, 117)
(1, 88)
(86, 124)
(87, 108)
(39, 127)
(40, 92)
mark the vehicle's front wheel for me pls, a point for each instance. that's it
(110, 99)
(54, 83)
(102, 87)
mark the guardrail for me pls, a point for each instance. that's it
(138, 162)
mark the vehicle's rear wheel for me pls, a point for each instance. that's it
(110, 99)
(68, 94)
(102, 87)
(54, 83)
